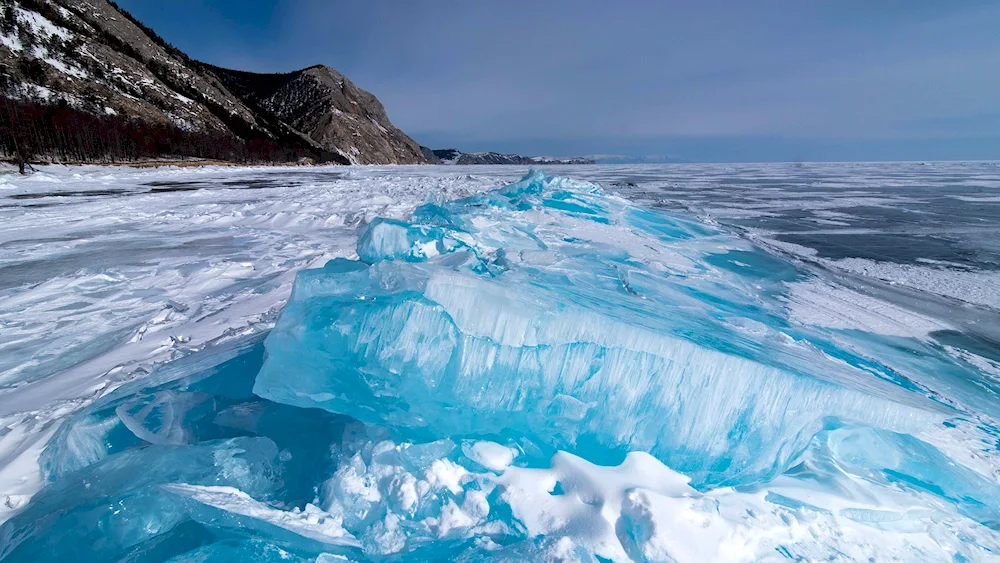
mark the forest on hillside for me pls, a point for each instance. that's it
(31, 131)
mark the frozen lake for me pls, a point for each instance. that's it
(888, 272)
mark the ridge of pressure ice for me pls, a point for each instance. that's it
(553, 315)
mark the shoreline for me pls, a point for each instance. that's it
(180, 163)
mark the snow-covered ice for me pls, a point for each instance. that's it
(105, 272)
(641, 363)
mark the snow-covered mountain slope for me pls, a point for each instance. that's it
(96, 58)
(92, 57)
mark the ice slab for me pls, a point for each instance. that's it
(552, 313)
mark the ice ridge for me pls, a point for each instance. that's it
(554, 314)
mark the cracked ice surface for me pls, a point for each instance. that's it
(105, 272)
(545, 371)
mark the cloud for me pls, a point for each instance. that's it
(491, 72)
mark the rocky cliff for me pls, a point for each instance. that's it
(101, 67)
(328, 108)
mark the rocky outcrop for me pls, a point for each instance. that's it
(429, 155)
(92, 57)
(447, 156)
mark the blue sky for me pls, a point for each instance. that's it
(706, 81)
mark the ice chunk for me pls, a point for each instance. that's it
(115, 505)
(384, 238)
(490, 455)
(573, 320)
(174, 405)
(639, 510)
(315, 486)
(236, 509)
(396, 497)
(904, 461)
(106, 478)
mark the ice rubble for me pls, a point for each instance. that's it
(256, 480)
(557, 316)
(495, 369)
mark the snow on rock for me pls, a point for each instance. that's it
(40, 25)
(42, 29)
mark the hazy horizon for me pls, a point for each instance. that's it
(718, 82)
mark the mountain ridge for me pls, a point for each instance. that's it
(327, 107)
(455, 156)
(66, 63)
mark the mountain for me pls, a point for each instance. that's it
(83, 80)
(455, 156)
(327, 107)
